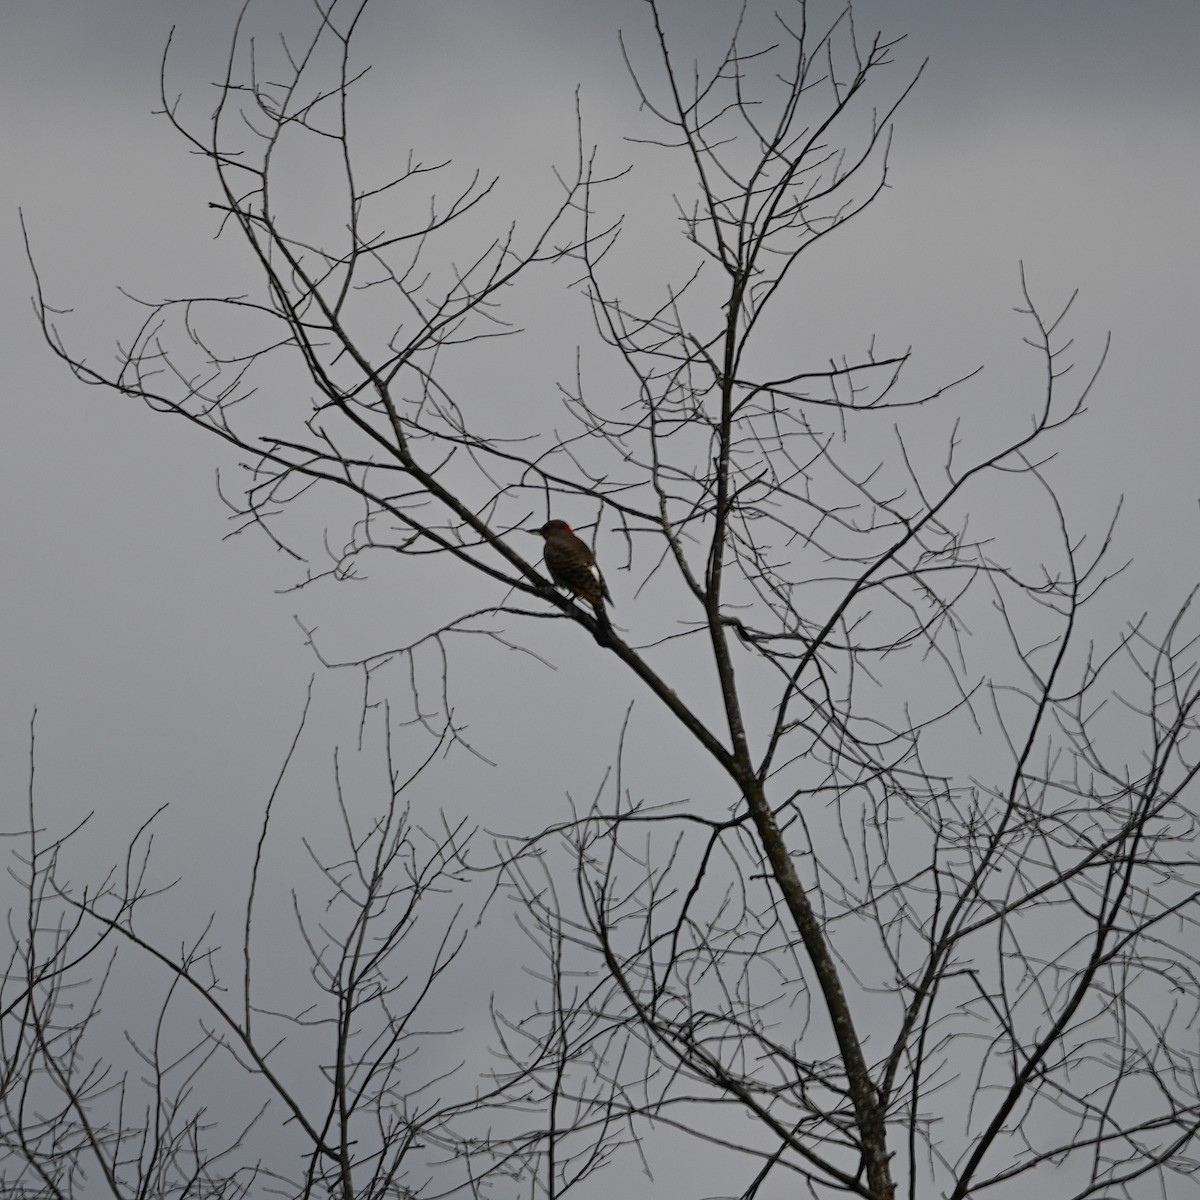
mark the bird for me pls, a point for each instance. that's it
(572, 565)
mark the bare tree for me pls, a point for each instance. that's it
(933, 930)
(237, 1077)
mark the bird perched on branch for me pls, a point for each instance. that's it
(572, 565)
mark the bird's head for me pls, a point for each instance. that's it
(554, 527)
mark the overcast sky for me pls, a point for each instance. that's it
(1063, 134)
(163, 659)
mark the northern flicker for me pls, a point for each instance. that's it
(572, 565)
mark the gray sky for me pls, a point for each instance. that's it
(164, 660)
(1061, 134)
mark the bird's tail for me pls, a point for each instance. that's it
(605, 632)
